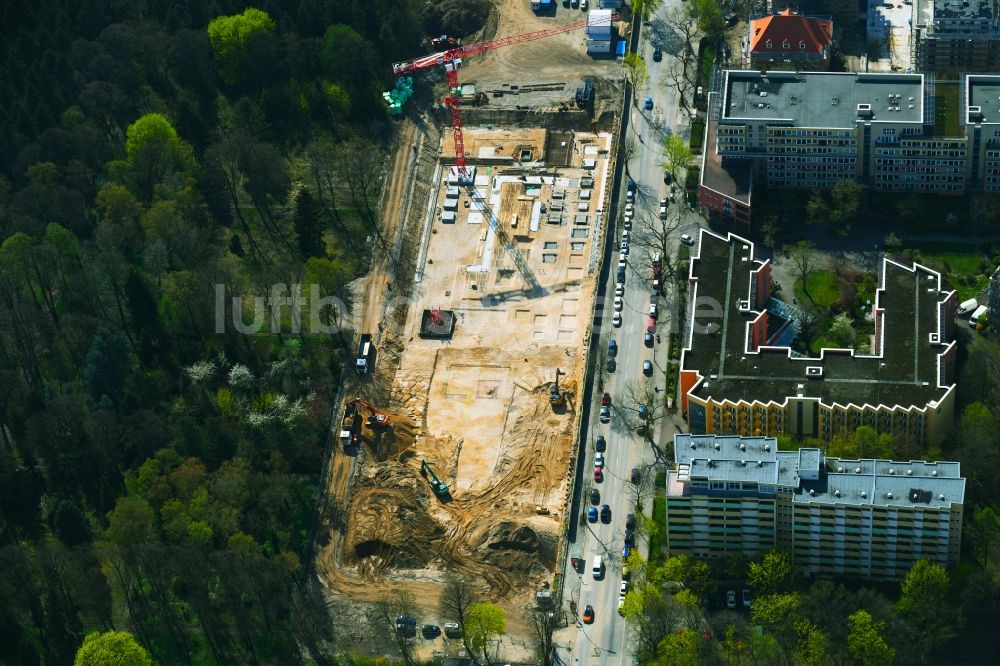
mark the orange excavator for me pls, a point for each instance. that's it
(350, 426)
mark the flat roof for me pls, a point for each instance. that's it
(984, 91)
(821, 99)
(757, 460)
(905, 375)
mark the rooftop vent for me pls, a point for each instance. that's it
(941, 497)
(814, 371)
(693, 445)
(717, 446)
(767, 447)
(864, 494)
(710, 462)
(857, 470)
(933, 472)
(743, 463)
(840, 469)
(915, 497)
(891, 471)
(909, 472)
(865, 111)
(888, 495)
(975, 113)
(760, 463)
(836, 493)
(743, 447)
(812, 493)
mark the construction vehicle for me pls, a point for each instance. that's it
(439, 487)
(556, 397)
(444, 41)
(451, 59)
(350, 425)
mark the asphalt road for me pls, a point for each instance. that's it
(606, 640)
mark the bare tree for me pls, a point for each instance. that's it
(644, 395)
(656, 236)
(457, 598)
(682, 23)
(803, 257)
(543, 623)
(385, 613)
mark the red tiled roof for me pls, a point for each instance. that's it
(770, 34)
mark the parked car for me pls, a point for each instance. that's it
(605, 415)
(731, 599)
(452, 630)
(649, 103)
(667, 178)
(592, 514)
(643, 412)
(598, 460)
(598, 475)
(588, 612)
(605, 514)
(630, 521)
(648, 340)
(647, 367)
(619, 303)
(746, 598)
(584, 4)
(626, 236)
(657, 54)
(616, 321)
(611, 365)
(636, 475)
(630, 196)
(406, 625)
(601, 445)
(650, 325)
(595, 496)
(626, 550)
(653, 312)
(687, 240)
(430, 631)
(663, 212)
(629, 208)
(612, 347)
(605, 399)
(628, 221)
(623, 248)
(621, 263)
(619, 290)
(630, 537)
(664, 201)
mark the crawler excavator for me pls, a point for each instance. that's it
(350, 426)
(439, 487)
(556, 397)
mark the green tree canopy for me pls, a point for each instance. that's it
(924, 605)
(771, 573)
(229, 36)
(484, 623)
(678, 155)
(865, 641)
(154, 151)
(112, 648)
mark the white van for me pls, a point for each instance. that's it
(598, 569)
(965, 307)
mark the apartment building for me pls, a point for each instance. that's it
(789, 41)
(811, 130)
(956, 35)
(739, 376)
(868, 519)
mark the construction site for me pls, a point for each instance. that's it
(454, 455)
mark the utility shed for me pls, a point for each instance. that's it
(448, 217)
(583, 220)
(587, 183)
(451, 193)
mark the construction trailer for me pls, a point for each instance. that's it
(366, 354)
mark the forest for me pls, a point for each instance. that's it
(156, 475)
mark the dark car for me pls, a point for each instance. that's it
(595, 496)
(667, 178)
(588, 614)
(592, 514)
(605, 399)
(630, 537)
(635, 475)
(430, 631)
(657, 54)
(406, 625)
(630, 521)
(647, 367)
(611, 365)
(605, 514)
(648, 340)
(612, 347)
(601, 445)
(625, 551)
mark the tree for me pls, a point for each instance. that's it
(309, 225)
(654, 613)
(681, 648)
(814, 646)
(678, 155)
(710, 20)
(846, 199)
(112, 648)
(153, 151)
(842, 330)
(984, 533)
(924, 604)
(107, 364)
(803, 258)
(386, 611)
(229, 36)
(645, 8)
(457, 598)
(770, 574)
(777, 614)
(484, 624)
(543, 624)
(865, 641)
(656, 236)
(637, 74)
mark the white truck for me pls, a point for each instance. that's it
(974, 319)
(965, 307)
(366, 355)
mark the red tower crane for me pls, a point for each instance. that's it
(452, 58)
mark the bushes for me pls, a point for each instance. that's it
(697, 135)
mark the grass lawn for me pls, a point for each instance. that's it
(956, 261)
(946, 113)
(823, 289)
(660, 518)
